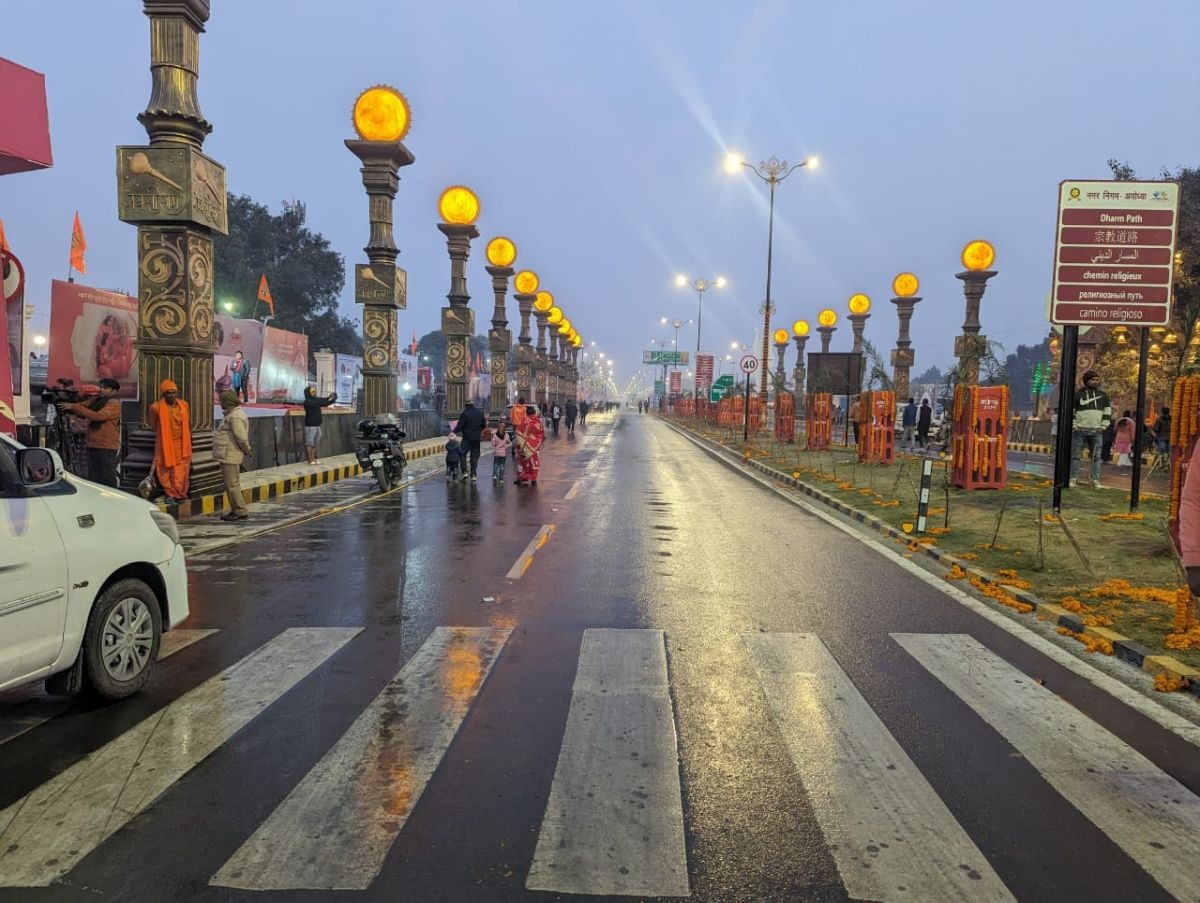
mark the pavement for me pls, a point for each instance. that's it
(652, 676)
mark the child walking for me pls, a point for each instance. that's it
(454, 458)
(501, 443)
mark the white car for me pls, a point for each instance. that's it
(89, 579)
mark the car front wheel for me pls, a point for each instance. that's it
(123, 635)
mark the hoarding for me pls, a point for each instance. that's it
(284, 370)
(92, 335)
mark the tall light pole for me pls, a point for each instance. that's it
(772, 171)
(700, 286)
(677, 325)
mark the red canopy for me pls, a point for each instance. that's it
(24, 121)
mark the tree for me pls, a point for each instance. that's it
(877, 375)
(932, 375)
(1019, 367)
(431, 352)
(306, 276)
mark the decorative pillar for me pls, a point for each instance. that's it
(21, 402)
(903, 356)
(781, 344)
(858, 322)
(977, 257)
(326, 371)
(800, 372)
(552, 371)
(459, 208)
(176, 197)
(539, 359)
(826, 337)
(501, 252)
(381, 120)
(525, 285)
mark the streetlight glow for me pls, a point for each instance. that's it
(733, 162)
(721, 281)
(680, 281)
(812, 162)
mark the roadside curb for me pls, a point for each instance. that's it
(1124, 648)
(323, 476)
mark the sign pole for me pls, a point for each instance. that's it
(746, 412)
(1135, 485)
(1066, 407)
(923, 499)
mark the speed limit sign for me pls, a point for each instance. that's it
(748, 363)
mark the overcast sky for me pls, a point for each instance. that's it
(594, 135)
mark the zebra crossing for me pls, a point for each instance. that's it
(615, 819)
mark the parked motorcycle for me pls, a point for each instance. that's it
(381, 450)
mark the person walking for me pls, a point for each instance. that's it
(584, 407)
(555, 417)
(924, 421)
(471, 424)
(239, 375)
(1123, 435)
(103, 416)
(231, 445)
(528, 440)
(454, 459)
(313, 417)
(1093, 411)
(856, 417)
(572, 413)
(1162, 431)
(908, 420)
(172, 421)
(501, 443)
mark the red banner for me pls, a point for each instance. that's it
(92, 335)
(234, 335)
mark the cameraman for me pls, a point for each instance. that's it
(103, 414)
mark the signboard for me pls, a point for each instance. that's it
(1114, 252)
(92, 336)
(660, 388)
(347, 376)
(665, 358)
(748, 363)
(720, 387)
(836, 372)
(676, 382)
(284, 371)
(233, 335)
(704, 373)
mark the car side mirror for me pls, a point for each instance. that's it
(39, 467)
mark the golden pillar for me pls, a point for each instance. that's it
(176, 197)
(905, 287)
(969, 348)
(459, 208)
(501, 252)
(525, 286)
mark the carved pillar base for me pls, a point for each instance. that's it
(500, 339)
(458, 324)
(524, 359)
(379, 392)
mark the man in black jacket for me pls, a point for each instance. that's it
(471, 423)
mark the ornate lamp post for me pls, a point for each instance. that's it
(381, 120)
(459, 208)
(781, 344)
(859, 305)
(799, 372)
(826, 324)
(554, 319)
(563, 331)
(176, 197)
(700, 286)
(541, 307)
(676, 325)
(501, 252)
(977, 257)
(772, 171)
(526, 285)
(905, 288)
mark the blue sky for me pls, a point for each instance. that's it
(594, 135)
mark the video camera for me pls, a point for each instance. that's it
(64, 393)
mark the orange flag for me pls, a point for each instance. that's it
(264, 294)
(3, 239)
(78, 246)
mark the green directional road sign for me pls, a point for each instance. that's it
(721, 386)
(660, 387)
(665, 358)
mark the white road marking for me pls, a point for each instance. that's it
(889, 832)
(28, 707)
(1146, 812)
(526, 559)
(334, 829)
(175, 640)
(573, 491)
(1155, 711)
(46, 833)
(614, 821)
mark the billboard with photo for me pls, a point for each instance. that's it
(284, 370)
(233, 335)
(348, 379)
(92, 335)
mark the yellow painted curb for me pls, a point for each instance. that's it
(1164, 664)
(1104, 633)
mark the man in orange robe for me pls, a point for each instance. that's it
(171, 419)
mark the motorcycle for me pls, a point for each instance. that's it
(381, 450)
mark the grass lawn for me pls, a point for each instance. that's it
(1114, 572)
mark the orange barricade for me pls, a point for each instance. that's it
(756, 414)
(980, 445)
(877, 440)
(820, 420)
(725, 411)
(785, 417)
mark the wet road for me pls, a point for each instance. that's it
(681, 684)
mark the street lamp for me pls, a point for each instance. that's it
(459, 209)
(772, 171)
(677, 325)
(700, 286)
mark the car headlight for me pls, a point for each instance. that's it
(167, 525)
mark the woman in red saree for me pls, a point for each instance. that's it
(529, 433)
